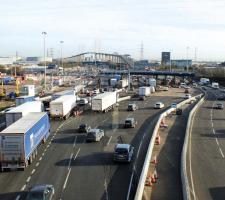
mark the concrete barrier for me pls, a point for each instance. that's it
(184, 177)
(141, 183)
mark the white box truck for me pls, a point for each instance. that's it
(215, 85)
(123, 83)
(144, 91)
(104, 102)
(20, 111)
(152, 82)
(62, 106)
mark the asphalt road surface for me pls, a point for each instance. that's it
(80, 170)
(206, 151)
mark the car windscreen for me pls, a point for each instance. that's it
(35, 195)
(121, 150)
(91, 134)
(128, 122)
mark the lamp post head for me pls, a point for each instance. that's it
(44, 33)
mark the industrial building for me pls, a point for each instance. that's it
(165, 58)
(181, 63)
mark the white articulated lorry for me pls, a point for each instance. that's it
(62, 106)
(20, 111)
(104, 102)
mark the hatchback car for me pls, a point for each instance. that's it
(219, 106)
(187, 96)
(95, 135)
(130, 123)
(132, 107)
(41, 192)
(158, 105)
(173, 105)
(123, 153)
(84, 128)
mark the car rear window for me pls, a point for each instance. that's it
(121, 150)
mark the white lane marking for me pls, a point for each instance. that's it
(43, 154)
(106, 189)
(221, 152)
(214, 132)
(109, 140)
(40, 158)
(67, 177)
(23, 188)
(18, 197)
(33, 171)
(48, 146)
(76, 154)
(139, 149)
(37, 164)
(129, 189)
(71, 156)
(28, 179)
(74, 143)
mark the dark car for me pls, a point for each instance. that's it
(221, 97)
(41, 192)
(123, 153)
(84, 128)
(142, 98)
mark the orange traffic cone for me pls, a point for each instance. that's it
(155, 174)
(148, 181)
(153, 180)
(157, 141)
(154, 161)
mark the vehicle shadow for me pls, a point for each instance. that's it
(218, 134)
(217, 193)
(69, 139)
(93, 159)
(13, 196)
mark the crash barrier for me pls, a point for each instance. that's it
(144, 173)
(184, 177)
(123, 98)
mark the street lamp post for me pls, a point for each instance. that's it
(61, 45)
(44, 35)
(187, 58)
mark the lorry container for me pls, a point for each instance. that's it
(28, 90)
(152, 89)
(123, 83)
(113, 82)
(144, 91)
(204, 81)
(62, 93)
(215, 85)
(20, 111)
(58, 82)
(104, 102)
(23, 99)
(19, 141)
(152, 82)
(62, 106)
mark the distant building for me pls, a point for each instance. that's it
(165, 58)
(181, 63)
(38, 60)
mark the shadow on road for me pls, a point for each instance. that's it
(13, 195)
(217, 193)
(218, 134)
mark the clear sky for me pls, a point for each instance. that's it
(114, 26)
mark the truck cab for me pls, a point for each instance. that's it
(130, 123)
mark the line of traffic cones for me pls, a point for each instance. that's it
(151, 179)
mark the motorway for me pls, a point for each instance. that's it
(205, 158)
(80, 170)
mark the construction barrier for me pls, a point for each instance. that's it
(184, 178)
(142, 180)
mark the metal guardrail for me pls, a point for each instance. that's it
(141, 184)
(184, 177)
